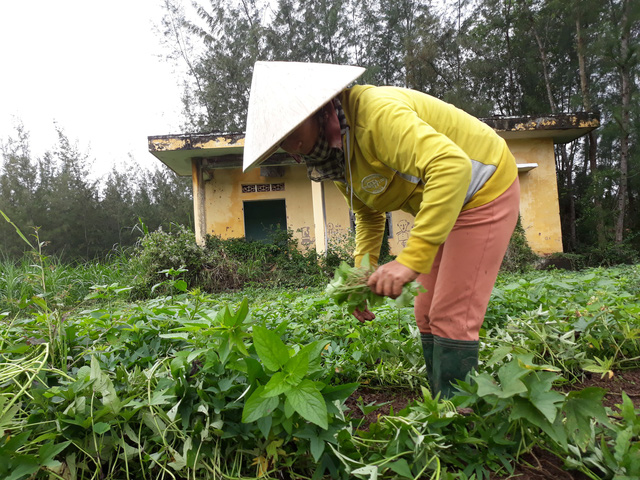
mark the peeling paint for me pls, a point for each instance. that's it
(220, 142)
(546, 123)
(589, 124)
(560, 122)
(167, 144)
(193, 142)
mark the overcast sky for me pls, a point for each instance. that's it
(93, 67)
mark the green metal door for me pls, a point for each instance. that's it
(262, 217)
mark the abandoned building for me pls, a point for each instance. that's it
(229, 203)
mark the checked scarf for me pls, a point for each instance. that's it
(324, 162)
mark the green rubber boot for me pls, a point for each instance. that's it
(427, 351)
(452, 360)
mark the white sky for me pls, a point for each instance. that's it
(93, 67)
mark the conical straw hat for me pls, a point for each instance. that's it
(283, 95)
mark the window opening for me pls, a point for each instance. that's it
(263, 187)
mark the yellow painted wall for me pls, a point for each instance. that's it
(223, 201)
(338, 221)
(539, 207)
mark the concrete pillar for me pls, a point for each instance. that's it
(199, 211)
(319, 217)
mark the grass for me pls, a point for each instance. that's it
(187, 385)
(62, 285)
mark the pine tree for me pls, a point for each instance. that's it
(117, 210)
(72, 203)
(18, 181)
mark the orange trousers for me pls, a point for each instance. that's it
(465, 269)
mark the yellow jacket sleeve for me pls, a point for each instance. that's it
(369, 233)
(370, 226)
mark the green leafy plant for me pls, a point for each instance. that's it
(522, 391)
(294, 401)
(253, 384)
(161, 251)
(349, 288)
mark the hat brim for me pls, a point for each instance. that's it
(285, 94)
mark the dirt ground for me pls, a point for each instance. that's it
(538, 465)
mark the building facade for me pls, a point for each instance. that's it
(229, 203)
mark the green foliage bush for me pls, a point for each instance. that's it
(519, 256)
(612, 254)
(161, 250)
(340, 249)
(606, 256)
(385, 249)
(222, 265)
(230, 264)
(563, 261)
(277, 262)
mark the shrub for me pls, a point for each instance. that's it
(342, 246)
(612, 254)
(519, 256)
(385, 249)
(340, 249)
(278, 261)
(606, 256)
(161, 250)
(563, 261)
(221, 265)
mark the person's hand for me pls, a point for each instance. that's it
(389, 279)
(365, 315)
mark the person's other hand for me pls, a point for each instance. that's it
(389, 279)
(365, 315)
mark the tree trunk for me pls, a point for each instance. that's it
(625, 74)
(512, 81)
(592, 139)
(545, 70)
(566, 161)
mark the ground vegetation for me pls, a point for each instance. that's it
(285, 383)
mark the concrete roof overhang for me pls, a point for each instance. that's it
(562, 128)
(216, 150)
(224, 150)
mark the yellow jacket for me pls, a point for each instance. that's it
(406, 150)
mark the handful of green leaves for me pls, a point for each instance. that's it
(349, 287)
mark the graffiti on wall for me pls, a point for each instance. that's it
(305, 239)
(403, 229)
(334, 230)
